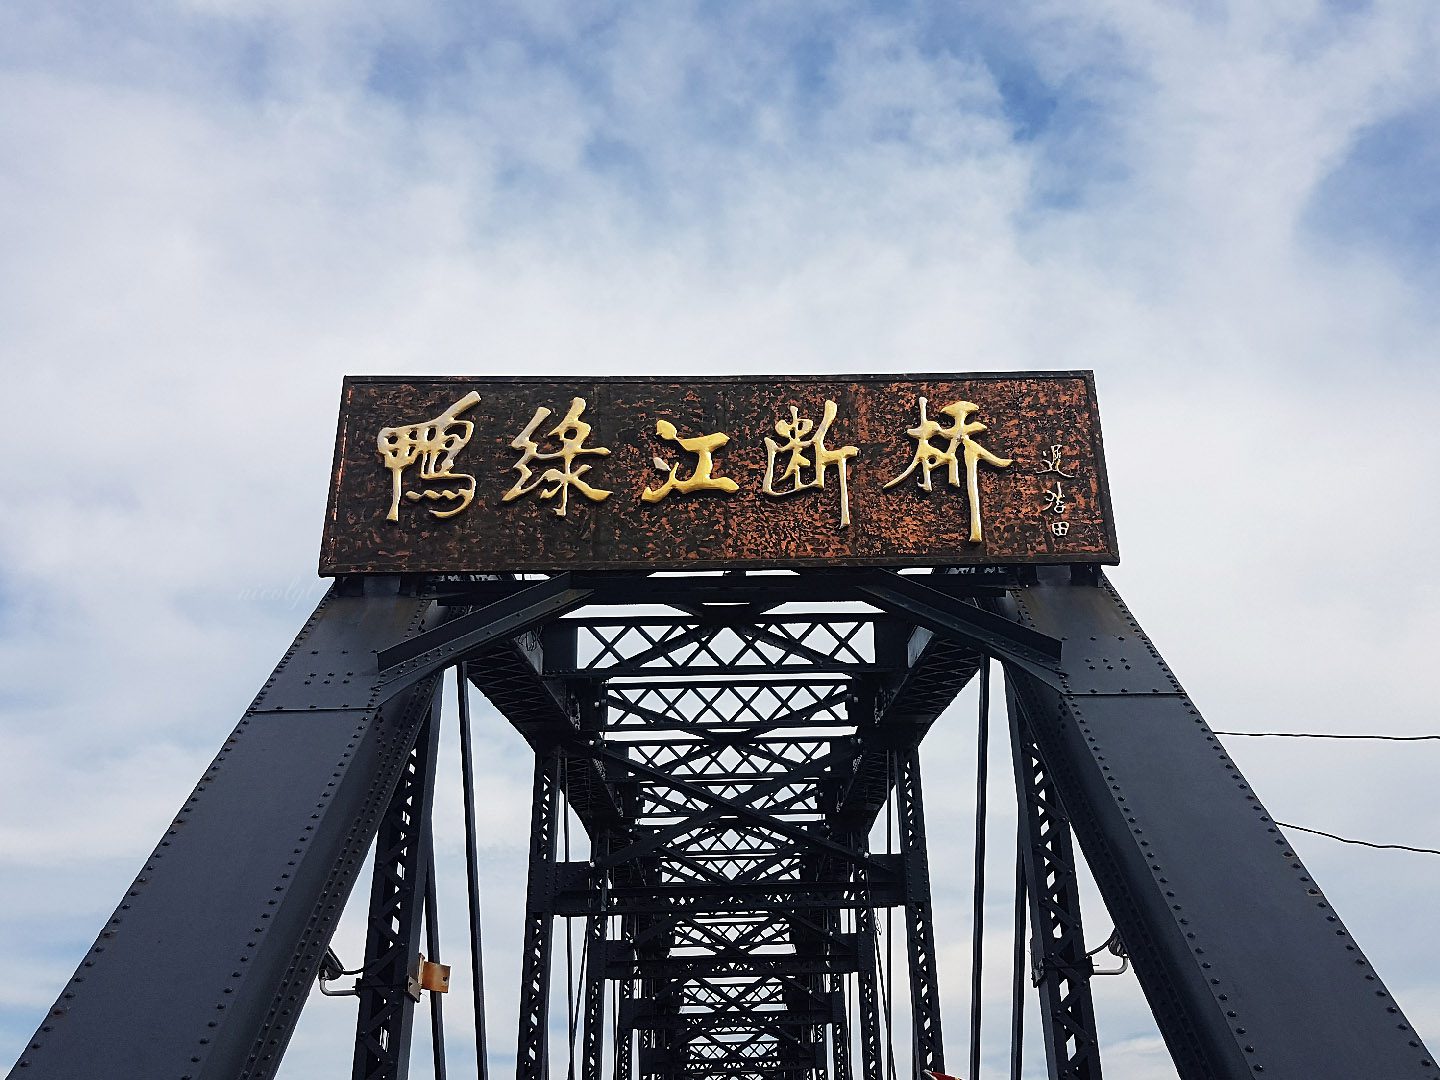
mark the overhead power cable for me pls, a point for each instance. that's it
(1360, 843)
(1328, 735)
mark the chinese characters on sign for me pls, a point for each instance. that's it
(460, 474)
(436, 442)
(1051, 463)
(1055, 496)
(571, 433)
(1055, 499)
(927, 457)
(703, 447)
(798, 438)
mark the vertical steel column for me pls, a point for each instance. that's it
(841, 1068)
(1017, 961)
(651, 1038)
(977, 927)
(872, 1053)
(1061, 968)
(928, 1042)
(432, 946)
(815, 1034)
(596, 934)
(805, 993)
(624, 1033)
(663, 1045)
(397, 897)
(472, 871)
(807, 1053)
(532, 1048)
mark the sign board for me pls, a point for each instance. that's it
(455, 475)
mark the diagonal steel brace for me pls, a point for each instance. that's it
(405, 663)
(1036, 653)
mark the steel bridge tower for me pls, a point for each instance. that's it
(742, 752)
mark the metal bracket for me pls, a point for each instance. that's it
(427, 975)
(1116, 947)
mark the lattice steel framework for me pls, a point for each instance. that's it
(1060, 967)
(727, 762)
(738, 873)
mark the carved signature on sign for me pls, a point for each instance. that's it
(1051, 463)
(1054, 496)
(1055, 499)
(556, 462)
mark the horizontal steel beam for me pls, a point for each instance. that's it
(813, 838)
(750, 1021)
(730, 589)
(701, 967)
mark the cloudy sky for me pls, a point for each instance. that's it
(212, 210)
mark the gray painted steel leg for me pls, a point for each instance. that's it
(432, 949)
(472, 872)
(872, 1051)
(624, 1034)
(596, 928)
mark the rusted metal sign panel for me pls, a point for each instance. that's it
(449, 475)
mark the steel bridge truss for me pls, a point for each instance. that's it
(742, 757)
(732, 902)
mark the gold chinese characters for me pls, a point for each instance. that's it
(569, 458)
(434, 443)
(571, 433)
(797, 433)
(703, 447)
(928, 456)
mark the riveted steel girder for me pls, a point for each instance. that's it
(1248, 969)
(207, 961)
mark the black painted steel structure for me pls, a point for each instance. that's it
(742, 759)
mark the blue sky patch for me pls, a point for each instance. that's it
(1383, 196)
